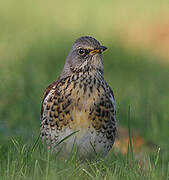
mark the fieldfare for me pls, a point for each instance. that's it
(78, 109)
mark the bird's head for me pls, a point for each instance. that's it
(85, 52)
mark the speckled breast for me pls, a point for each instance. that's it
(81, 103)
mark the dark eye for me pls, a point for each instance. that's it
(82, 51)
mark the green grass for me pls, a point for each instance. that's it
(21, 161)
(35, 39)
(137, 83)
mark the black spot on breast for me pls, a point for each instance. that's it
(56, 123)
(51, 114)
(114, 130)
(93, 119)
(112, 119)
(112, 110)
(110, 127)
(104, 126)
(103, 86)
(92, 132)
(67, 95)
(103, 113)
(78, 99)
(109, 132)
(46, 123)
(55, 103)
(52, 125)
(60, 100)
(67, 111)
(50, 120)
(99, 141)
(48, 107)
(91, 89)
(91, 111)
(96, 127)
(85, 87)
(106, 113)
(56, 116)
(101, 103)
(50, 99)
(73, 77)
(65, 123)
(66, 104)
(100, 120)
(68, 81)
(58, 109)
(74, 85)
(53, 108)
(55, 97)
(66, 86)
(94, 80)
(71, 118)
(98, 110)
(112, 138)
(98, 82)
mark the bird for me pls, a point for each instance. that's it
(79, 109)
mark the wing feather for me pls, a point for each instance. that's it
(47, 91)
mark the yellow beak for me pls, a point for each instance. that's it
(98, 50)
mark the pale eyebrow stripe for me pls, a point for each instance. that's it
(90, 49)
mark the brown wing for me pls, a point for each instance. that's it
(47, 90)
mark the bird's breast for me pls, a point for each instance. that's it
(85, 94)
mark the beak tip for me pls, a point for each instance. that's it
(103, 48)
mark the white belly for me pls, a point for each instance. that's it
(84, 143)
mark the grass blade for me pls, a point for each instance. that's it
(130, 135)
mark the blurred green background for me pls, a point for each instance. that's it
(35, 38)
